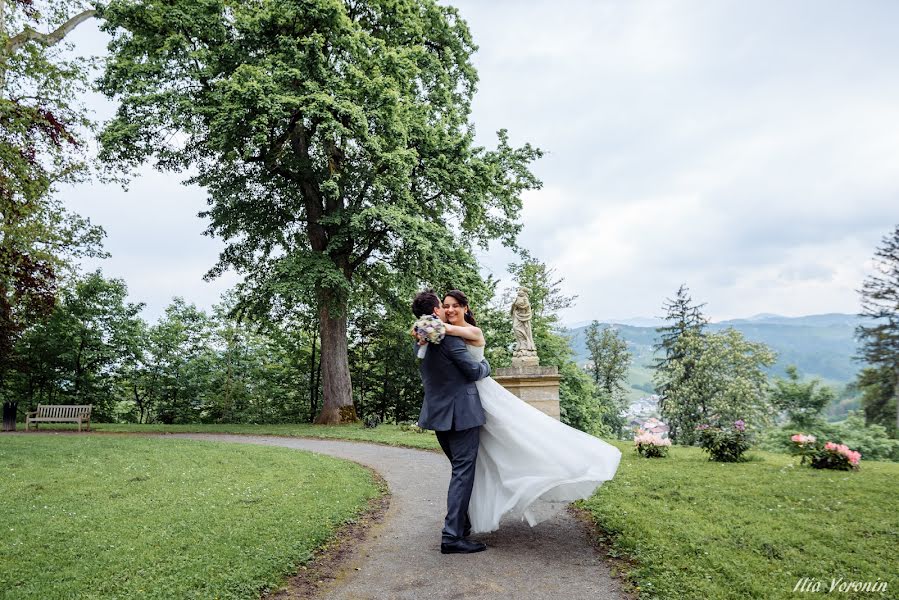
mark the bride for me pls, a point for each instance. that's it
(529, 465)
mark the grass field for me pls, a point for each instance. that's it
(98, 516)
(690, 528)
(705, 530)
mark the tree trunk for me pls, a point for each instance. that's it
(313, 382)
(337, 403)
(9, 415)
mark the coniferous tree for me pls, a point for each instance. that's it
(675, 367)
(880, 304)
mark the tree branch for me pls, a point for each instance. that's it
(372, 246)
(47, 39)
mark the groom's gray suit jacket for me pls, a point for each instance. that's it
(451, 398)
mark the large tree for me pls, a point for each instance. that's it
(880, 303)
(333, 138)
(726, 382)
(42, 144)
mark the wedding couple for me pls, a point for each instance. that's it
(507, 457)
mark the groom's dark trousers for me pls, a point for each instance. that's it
(452, 408)
(461, 448)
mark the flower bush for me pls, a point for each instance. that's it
(649, 445)
(830, 455)
(804, 446)
(724, 444)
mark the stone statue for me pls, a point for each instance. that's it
(525, 351)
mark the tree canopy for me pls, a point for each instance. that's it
(43, 143)
(333, 138)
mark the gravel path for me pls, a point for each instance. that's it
(401, 559)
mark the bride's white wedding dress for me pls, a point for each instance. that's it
(529, 464)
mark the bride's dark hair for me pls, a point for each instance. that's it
(462, 299)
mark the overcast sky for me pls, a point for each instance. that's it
(749, 149)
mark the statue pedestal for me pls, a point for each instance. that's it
(538, 386)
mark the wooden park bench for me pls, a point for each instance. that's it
(57, 413)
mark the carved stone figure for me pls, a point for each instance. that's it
(525, 350)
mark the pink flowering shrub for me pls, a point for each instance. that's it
(827, 456)
(649, 445)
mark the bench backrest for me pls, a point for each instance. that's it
(63, 411)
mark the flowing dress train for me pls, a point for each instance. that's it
(529, 464)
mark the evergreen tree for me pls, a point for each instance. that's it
(674, 369)
(684, 317)
(877, 387)
(880, 303)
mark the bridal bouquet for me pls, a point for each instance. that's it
(427, 328)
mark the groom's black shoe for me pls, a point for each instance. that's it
(461, 546)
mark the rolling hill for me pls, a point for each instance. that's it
(819, 345)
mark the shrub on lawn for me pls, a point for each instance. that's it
(724, 444)
(824, 456)
(649, 445)
(872, 441)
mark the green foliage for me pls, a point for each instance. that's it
(610, 364)
(878, 389)
(673, 372)
(127, 517)
(802, 402)
(685, 317)
(873, 441)
(580, 404)
(72, 356)
(880, 305)
(333, 139)
(717, 377)
(724, 443)
(43, 144)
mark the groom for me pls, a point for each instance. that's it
(452, 408)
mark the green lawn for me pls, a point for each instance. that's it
(704, 530)
(384, 434)
(131, 517)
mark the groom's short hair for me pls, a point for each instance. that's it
(425, 303)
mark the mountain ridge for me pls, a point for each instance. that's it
(820, 345)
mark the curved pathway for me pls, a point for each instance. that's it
(401, 558)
